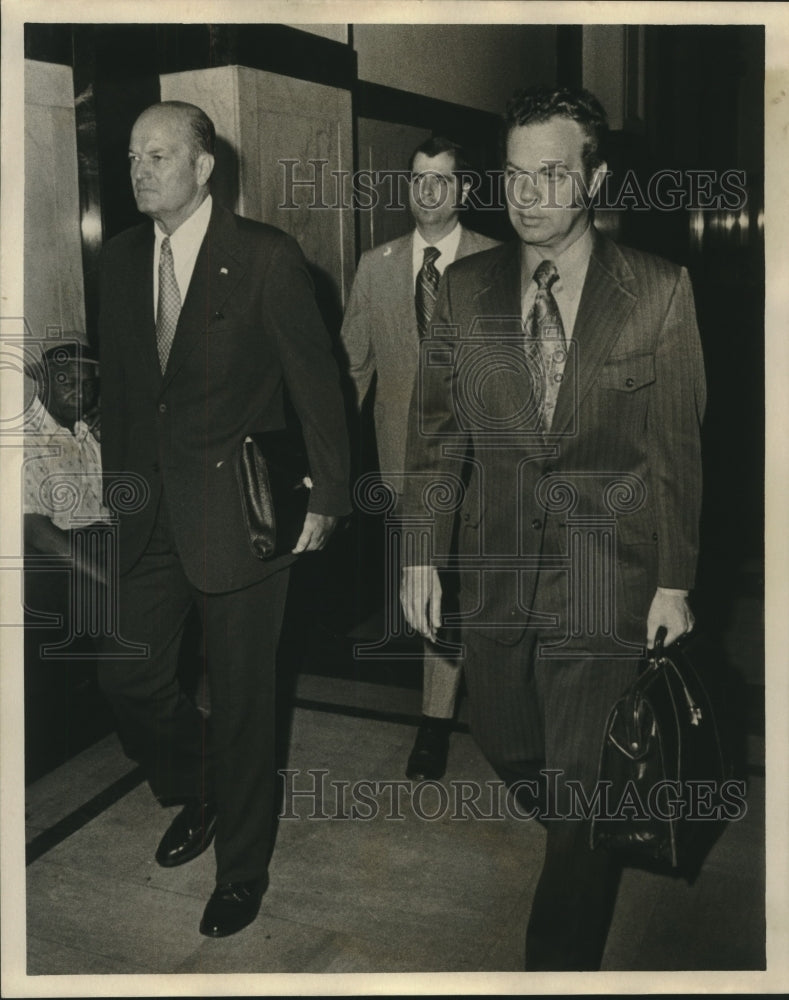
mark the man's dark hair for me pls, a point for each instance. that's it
(540, 104)
(201, 129)
(438, 144)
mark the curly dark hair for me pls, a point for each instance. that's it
(539, 104)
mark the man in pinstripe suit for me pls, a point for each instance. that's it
(573, 368)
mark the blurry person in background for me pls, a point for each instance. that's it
(62, 496)
(388, 313)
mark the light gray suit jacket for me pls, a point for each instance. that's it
(379, 333)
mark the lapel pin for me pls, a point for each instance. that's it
(223, 270)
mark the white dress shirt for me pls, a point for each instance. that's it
(185, 244)
(572, 265)
(447, 247)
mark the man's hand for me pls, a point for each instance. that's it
(420, 595)
(316, 532)
(669, 608)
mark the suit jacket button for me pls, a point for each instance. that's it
(630, 382)
(536, 524)
(162, 407)
(654, 536)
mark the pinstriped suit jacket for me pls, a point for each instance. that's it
(623, 449)
(379, 333)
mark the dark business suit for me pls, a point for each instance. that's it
(248, 328)
(623, 448)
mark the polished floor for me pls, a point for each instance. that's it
(407, 886)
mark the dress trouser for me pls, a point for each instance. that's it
(441, 682)
(529, 713)
(230, 759)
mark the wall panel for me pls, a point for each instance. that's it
(264, 119)
(54, 292)
(477, 65)
(385, 146)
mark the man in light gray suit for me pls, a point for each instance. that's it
(388, 311)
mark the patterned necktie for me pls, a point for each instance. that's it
(546, 343)
(544, 321)
(426, 289)
(169, 305)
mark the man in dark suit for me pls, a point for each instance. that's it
(387, 314)
(206, 319)
(573, 367)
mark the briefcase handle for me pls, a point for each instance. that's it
(657, 650)
(657, 658)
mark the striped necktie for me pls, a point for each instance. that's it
(426, 289)
(169, 305)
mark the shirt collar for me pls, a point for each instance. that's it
(571, 263)
(447, 245)
(191, 232)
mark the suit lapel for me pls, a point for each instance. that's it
(500, 293)
(401, 286)
(498, 307)
(465, 244)
(142, 322)
(218, 269)
(470, 242)
(606, 302)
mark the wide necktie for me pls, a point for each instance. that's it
(169, 304)
(426, 289)
(546, 344)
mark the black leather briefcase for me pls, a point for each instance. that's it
(274, 485)
(665, 757)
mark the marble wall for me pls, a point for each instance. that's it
(603, 62)
(477, 65)
(271, 130)
(336, 32)
(54, 290)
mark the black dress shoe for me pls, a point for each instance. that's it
(232, 906)
(428, 758)
(189, 834)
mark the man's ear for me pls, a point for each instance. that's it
(204, 166)
(598, 176)
(465, 192)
